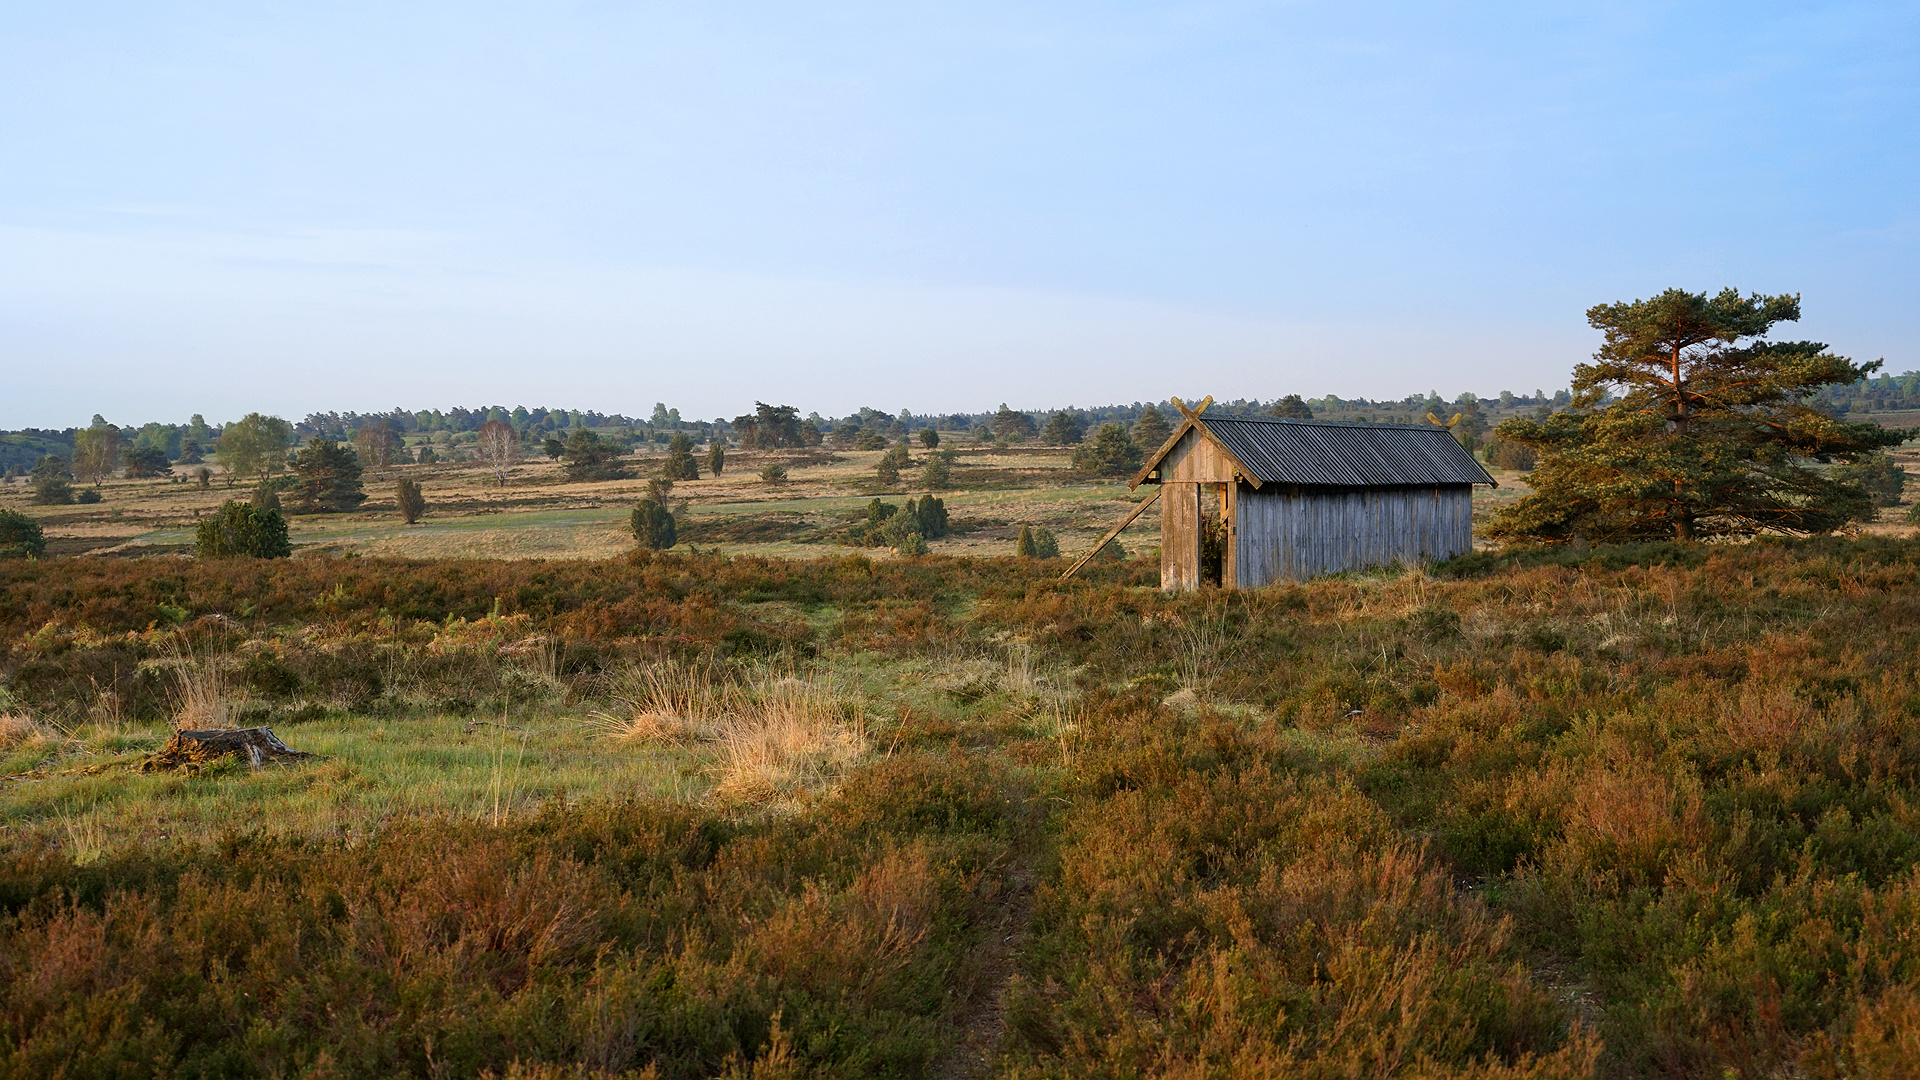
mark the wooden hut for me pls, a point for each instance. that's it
(1247, 502)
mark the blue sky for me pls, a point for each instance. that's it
(288, 207)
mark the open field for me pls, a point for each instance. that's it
(538, 515)
(771, 805)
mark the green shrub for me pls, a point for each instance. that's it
(936, 472)
(1036, 542)
(87, 496)
(20, 536)
(652, 525)
(52, 491)
(929, 515)
(240, 529)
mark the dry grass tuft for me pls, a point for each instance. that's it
(203, 699)
(16, 728)
(669, 701)
(789, 735)
(776, 736)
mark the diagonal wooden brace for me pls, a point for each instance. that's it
(1111, 533)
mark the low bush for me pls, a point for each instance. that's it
(20, 536)
(239, 528)
(652, 525)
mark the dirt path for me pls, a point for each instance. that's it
(1003, 934)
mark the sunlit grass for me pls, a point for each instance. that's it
(366, 773)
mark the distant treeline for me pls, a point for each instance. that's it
(769, 425)
(777, 425)
(1886, 393)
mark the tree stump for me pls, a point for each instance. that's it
(187, 751)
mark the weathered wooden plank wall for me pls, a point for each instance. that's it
(1180, 536)
(1295, 533)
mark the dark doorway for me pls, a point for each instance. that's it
(1213, 534)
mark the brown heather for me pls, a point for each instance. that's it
(1646, 811)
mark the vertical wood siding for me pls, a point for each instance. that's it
(1180, 536)
(1284, 533)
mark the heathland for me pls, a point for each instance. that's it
(782, 805)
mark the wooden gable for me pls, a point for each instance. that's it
(1196, 459)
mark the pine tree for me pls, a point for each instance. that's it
(1063, 429)
(1710, 433)
(717, 456)
(1878, 474)
(1109, 453)
(1292, 407)
(1012, 425)
(1151, 429)
(589, 457)
(327, 478)
(145, 462)
(680, 460)
(50, 490)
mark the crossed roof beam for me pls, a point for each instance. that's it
(1192, 422)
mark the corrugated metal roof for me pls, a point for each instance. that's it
(1350, 455)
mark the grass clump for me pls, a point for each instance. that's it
(774, 736)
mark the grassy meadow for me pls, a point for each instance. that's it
(537, 514)
(775, 806)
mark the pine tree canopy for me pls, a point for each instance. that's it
(1151, 429)
(1689, 423)
(328, 478)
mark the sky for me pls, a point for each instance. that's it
(284, 207)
